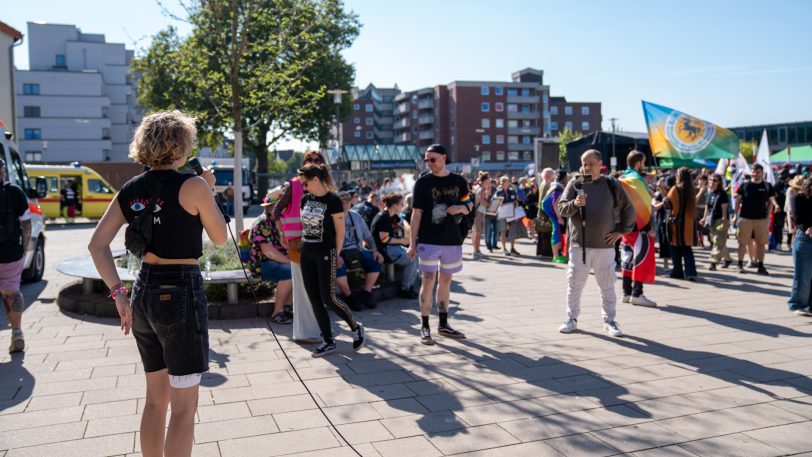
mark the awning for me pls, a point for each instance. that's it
(797, 154)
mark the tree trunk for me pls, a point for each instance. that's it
(238, 216)
(262, 160)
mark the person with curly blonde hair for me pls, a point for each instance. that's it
(167, 312)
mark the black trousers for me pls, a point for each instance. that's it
(633, 288)
(319, 274)
(778, 227)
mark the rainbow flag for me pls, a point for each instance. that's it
(676, 135)
(636, 189)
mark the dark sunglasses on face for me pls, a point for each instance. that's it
(430, 160)
(313, 160)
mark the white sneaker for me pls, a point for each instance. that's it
(801, 312)
(626, 298)
(642, 301)
(507, 253)
(569, 326)
(612, 329)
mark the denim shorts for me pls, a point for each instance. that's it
(368, 263)
(275, 271)
(171, 319)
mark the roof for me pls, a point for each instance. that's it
(10, 31)
(380, 152)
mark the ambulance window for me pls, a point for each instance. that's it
(97, 186)
(53, 185)
(17, 169)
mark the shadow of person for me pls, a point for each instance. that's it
(733, 370)
(32, 290)
(738, 323)
(16, 382)
(749, 284)
(211, 378)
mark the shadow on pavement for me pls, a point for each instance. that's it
(738, 323)
(16, 382)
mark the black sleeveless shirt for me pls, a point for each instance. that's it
(176, 234)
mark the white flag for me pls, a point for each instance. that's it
(763, 158)
(740, 170)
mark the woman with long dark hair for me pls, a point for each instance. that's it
(800, 300)
(168, 312)
(682, 225)
(322, 239)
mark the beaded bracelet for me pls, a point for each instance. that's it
(117, 290)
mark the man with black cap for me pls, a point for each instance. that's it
(15, 235)
(441, 200)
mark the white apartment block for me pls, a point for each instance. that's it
(77, 102)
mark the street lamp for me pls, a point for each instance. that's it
(613, 159)
(337, 94)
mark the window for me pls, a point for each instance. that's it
(369, 135)
(500, 139)
(513, 155)
(527, 139)
(500, 155)
(485, 107)
(484, 90)
(369, 121)
(527, 155)
(60, 59)
(585, 126)
(513, 123)
(31, 111)
(545, 99)
(33, 134)
(486, 156)
(568, 110)
(585, 110)
(414, 98)
(498, 91)
(356, 107)
(33, 156)
(499, 107)
(486, 123)
(500, 123)
(512, 107)
(357, 134)
(513, 139)
(512, 92)
(414, 114)
(486, 139)
(568, 125)
(30, 89)
(356, 120)
(452, 140)
(553, 125)
(368, 108)
(526, 92)
(96, 185)
(554, 110)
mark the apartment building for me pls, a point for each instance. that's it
(77, 100)
(492, 121)
(371, 119)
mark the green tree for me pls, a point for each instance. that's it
(748, 150)
(565, 136)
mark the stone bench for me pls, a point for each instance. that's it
(83, 267)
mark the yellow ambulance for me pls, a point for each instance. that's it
(93, 193)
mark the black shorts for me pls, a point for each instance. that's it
(171, 319)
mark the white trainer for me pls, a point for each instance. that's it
(626, 298)
(612, 329)
(643, 301)
(569, 326)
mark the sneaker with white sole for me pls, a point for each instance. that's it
(425, 336)
(324, 349)
(626, 298)
(358, 337)
(801, 312)
(642, 301)
(17, 341)
(448, 332)
(569, 326)
(612, 329)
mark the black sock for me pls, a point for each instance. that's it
(425, 321)
(741, 263)
(443, 319)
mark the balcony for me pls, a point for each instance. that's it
(402, 123)
(403, 138)
(383, 120)
(402, 108)
(425, 119)
(426, 134)
(524, 115)
(523, 99)
(524, 130)
(519, 147)
(384, 134)
(426, 104)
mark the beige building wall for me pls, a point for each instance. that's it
(8, 36)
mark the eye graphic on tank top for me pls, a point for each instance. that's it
(137, 206)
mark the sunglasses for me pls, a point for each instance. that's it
(430, 160)
(313, 160)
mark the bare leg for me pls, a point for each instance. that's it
(282, 295)
(153, 421)
(476, 239)
(760, 252)
(444, 292)
(343, 286)
(181, 432)
(369, 281)
(426, 290)
(557, 250)
(13, 300)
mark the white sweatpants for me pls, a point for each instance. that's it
(305, 326)
(602, 261)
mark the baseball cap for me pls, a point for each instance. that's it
(439, 149)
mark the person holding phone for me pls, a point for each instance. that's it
(167, 312)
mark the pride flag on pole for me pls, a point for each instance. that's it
(676, 135)
(637, 255)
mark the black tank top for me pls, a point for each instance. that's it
(176, 234)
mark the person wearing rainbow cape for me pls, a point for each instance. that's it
(638, 263)
(548, 204)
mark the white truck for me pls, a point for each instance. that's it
(16, 175)
(224, 173)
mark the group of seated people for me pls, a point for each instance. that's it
(371, 238)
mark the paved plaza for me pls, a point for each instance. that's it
(720, 368)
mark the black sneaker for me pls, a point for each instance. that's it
(712, 267)
(408, 293)
(727, 263)
(324, 349)
(352, 303)
(367, 299)
(449, 332)
(762, 271)
(425, 336)
(358, 337)
(741, 268)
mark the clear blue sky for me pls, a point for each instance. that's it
(730, 62)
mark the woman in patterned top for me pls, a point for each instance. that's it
(269, 258)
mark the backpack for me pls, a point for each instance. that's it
(8, 219)
(138, 234)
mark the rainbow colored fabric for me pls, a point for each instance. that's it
(466, 199)
(676, 135)
(636, 189)
(548, 204)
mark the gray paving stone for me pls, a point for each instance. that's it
(300, 420)
(581, 444)
(282, 443)
(223, 412)
(734, 445)
(364, 432)
(19, 421)
(281, 404)
(552, 426)
(89, 447)
(234, 428)
(419, 424)
(34, 436)
(793, 438)
(534, 449)
(471, 439)
(416, 446)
